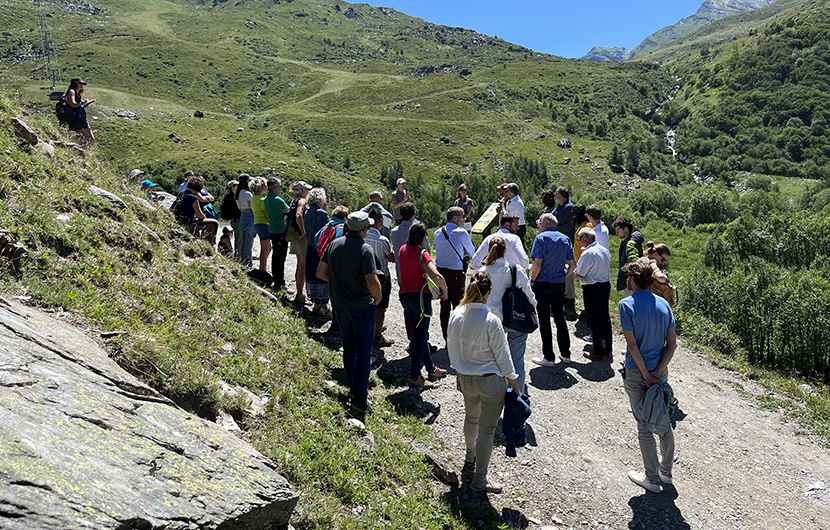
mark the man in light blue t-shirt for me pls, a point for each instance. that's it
(647, 322)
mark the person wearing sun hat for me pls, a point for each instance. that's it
(348, 264)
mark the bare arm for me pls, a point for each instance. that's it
(198, 210)
(668, 352)
(437, 278)
(299, 217)
(323, 271)
(571, 266)
(374, 286)
(398, 204)
(535, 269)
(631, 342)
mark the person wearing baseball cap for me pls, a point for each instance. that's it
(399, 196)
(147, 186)
(348, 264)
(74, 97)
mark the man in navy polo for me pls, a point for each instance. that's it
(551, 252)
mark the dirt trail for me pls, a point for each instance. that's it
(737, 466)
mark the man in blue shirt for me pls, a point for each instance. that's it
(594, 273)
(452, 245)
(648, 325)
(551, 252)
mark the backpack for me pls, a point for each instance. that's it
(176, 208)
(326, 235)
(292, 232)
(64, 112)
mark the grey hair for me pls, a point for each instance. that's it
(548, 218)
(274, 183)
(588, 232)
(317, 196)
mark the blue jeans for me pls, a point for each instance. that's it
(518, 342)
(246, 237)
(550, 300)
(357, 331)
(419, 353)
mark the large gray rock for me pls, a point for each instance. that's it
(24, 131)
(85, 445)
(114, 199)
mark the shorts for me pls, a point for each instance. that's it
(263, 230)
(299, 247)
(385, 290)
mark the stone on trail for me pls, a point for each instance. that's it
(85, 444)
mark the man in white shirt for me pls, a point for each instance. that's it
(383, 255)
(515, 253)
(452, 245)
(594, 214)
(515, 206)
(594, 273)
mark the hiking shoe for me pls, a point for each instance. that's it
(383, 342)
(593, 357)
(487, 486)
(665, 479)
(420, 383)
(640, 479)
(360, 410)
(541, 361)
(437, 373)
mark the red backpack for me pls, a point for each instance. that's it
(325, 236)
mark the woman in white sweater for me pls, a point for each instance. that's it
(479, 352)
(499, 270)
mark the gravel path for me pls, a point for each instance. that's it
(736, 466)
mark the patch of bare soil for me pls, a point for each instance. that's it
(736, 465)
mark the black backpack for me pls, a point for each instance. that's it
(64, 112)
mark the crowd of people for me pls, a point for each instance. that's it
(346, 259)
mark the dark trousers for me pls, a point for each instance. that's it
(419, 352)
(280, 252)
(596, 297)
(521, 233)
(550, 301)
(456, 282)
(357, 330)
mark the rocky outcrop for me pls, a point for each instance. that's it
(85, 445)
(598, 54)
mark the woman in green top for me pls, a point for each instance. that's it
(259, 188)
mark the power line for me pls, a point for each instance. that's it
(47, 47)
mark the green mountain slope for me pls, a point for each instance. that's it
(724, 30)
(709, 11)
(303, 87)
(760, 104)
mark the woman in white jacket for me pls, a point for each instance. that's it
(478, 351)
(499, 270)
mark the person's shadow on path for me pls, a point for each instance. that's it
(651, 510)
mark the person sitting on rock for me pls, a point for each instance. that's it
(192, 215)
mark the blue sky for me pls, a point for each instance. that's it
(564, 28)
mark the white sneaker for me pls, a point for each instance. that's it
(566, 360)
(541, 361)
(665, 479)
(641, 480)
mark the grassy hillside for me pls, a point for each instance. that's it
(189, 320)
(722, 31)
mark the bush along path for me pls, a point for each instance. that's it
(737, 464)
